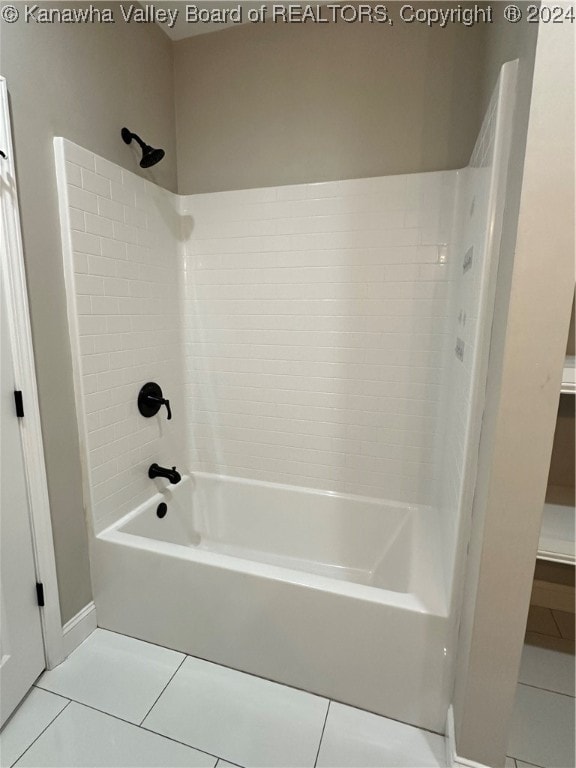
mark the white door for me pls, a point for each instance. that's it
(21, 646)
(30, 637)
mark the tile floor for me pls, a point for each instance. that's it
(118, 702)
(542, 731)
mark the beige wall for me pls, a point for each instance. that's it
(83, 82)
(526, 357)
(264, 105)
(505, 41)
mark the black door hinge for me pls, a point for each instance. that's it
(40, 593)
(19, 403)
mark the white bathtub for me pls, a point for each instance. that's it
(337, 595)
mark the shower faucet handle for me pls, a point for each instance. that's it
(150, 400)
(161, 401)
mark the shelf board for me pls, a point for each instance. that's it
(557, 534)
(569, 376)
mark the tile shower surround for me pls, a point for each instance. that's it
(469, 292)
(124, 278)
(314, 321)
(298, 331)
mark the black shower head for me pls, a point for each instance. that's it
(150, 156)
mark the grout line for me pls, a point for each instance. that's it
(548, 690)
(322, 734)
(162, 691)
(556, 623)
(182, 743)
(524, 761)
(134, 725)
(44, 730)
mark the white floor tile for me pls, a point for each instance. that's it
(244, 719)
(35, 713)
(356, 739)
(545, 668)
(510, 763)
(554, 643)
(115, 674)
(83, 737)
(542, 729)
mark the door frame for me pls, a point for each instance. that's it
(13, 272)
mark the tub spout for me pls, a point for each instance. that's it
(172, 475)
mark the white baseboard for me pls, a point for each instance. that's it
(79, 628)
(453, 760)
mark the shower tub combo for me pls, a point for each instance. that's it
(334, 594)
(308, 337)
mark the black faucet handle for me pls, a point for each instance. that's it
(161, 401)
(150, 400)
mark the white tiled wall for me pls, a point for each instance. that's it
(121, 234)
(300, 332)
(472, 279)
(315, 319)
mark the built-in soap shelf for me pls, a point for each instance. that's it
(569, 376)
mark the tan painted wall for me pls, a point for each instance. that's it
(84, 82)
(526, 357)
(503, 42)
(262, 105)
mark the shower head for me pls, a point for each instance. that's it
(150, 156)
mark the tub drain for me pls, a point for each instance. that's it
(161, 509)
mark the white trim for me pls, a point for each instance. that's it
(453, 760)
(30, 427)
(79, 628)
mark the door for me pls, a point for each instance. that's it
(21, 646)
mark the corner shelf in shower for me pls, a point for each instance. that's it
(558, 527)
(569, 376)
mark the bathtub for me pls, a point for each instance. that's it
(337, 595)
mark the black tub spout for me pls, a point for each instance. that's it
(172, 475)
